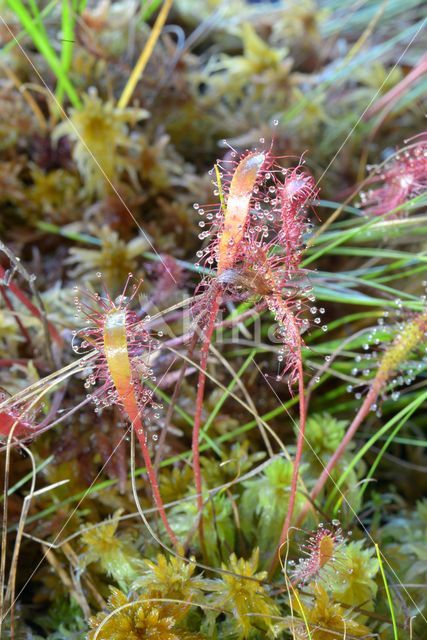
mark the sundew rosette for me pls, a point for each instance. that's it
(122, 352)
(394, 183)
(317, 552)
(261, 204)
(257, 234)
(256, 241)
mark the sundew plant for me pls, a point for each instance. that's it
(213, 320)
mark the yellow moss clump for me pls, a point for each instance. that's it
(114, 259)
(54, 194)
(171, 578)
(174, 482)
(112, 555)
(103, 145)
(355, 572)
(258, 60)
(323, 619)
(244, 597)
(138, 620)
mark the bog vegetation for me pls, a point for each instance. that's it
(213, 320)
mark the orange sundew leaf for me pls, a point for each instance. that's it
(237, 208)
(119, 364)
(118, 361)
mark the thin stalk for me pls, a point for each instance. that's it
(172, 405)
(199, 407)
(389, 99)
(67, 28)
(145, 56)
(142, 437)
(339, 452)
(297, 462)
(18, 321)
(408, 339)
(28, 304)
(401, 419)
(149, 8)
(388, 594)
(4, 530)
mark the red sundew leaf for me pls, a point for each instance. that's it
(402, 178)
(298, 188)
(116, 351)
(7, 421)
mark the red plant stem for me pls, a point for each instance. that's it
(142, 437)
(339, 452)
(236, 218)
(133, 412)
(295, 472)
(8, 362)
(199, 399)
(388, 100)
(9, 305)
(31, 307)
(173, 402)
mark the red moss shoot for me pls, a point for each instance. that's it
(123, 348)
(401, 178)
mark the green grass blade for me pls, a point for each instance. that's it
(42, 43)
(387, 590)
